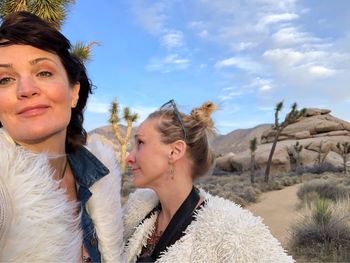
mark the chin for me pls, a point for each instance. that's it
(137, 181)
(34, 134)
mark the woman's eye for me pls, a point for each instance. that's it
(45, 74)
(139, 142)
(5, 80)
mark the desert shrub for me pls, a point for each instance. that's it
(327, 189)
(271, 186)
(322, 213)
(323, 233)
(249, 194)
(318, 168)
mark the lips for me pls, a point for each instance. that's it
(33, 110)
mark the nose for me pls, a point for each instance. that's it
(27, 88)
(130, 159)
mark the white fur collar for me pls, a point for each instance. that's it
(40, 225)
(221, 232)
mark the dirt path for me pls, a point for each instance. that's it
(277, 209)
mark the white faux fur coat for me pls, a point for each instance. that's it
(37, 224)
(221, 232)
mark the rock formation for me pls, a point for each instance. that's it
(317, 131)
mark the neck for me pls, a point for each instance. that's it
(172, 195)
(54, 144)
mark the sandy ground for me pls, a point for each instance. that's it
(278, 211)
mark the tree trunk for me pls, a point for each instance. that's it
(269, 161)
(252, 168)
(344, 163)
(123, 157)
(298, 160)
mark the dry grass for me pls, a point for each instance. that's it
(232, 187)
(323, 232)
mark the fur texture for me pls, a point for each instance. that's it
(221, 232)
(104, 206)
(43, 226)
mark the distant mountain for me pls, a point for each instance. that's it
(107, 133)
(237, 140)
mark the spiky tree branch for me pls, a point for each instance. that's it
(291, 117)
(52, 11)
(114, 120)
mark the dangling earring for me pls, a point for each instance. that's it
(171, 171)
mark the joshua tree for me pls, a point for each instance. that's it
(114, 120)
(52, 11)
(297, 149)
(290, 118)
(344, 149)
(321, 156)
(252, 147)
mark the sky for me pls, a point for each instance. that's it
(245, 55)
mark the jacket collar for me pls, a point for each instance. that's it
(87, 169)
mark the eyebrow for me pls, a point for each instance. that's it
(32, 62)
(37, 60)
(6, 66)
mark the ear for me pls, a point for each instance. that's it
(178, 150)
(75, 94)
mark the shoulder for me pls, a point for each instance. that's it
(239, 234)
(138, 205)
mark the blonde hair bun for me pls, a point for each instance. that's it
(203, 113)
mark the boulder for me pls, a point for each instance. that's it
(328, 127)
(315, 111)
(335, 159)
(317, 131)
(224, 162)
(302, 135)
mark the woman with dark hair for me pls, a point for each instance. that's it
(173, 221)
(58, 201)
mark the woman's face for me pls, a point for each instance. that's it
(149, 158)
(35, 94)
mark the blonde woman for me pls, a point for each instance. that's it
(173, 221)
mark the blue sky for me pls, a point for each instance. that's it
(244, 55)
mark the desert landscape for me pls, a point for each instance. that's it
(306, 202)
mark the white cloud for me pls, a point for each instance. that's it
(285, 56)
(241, 46)
(230, 95)
(96, 106)
(151, 16)
(244, 63)
(173, 39)
(277, 18)
(320, 71)
(203, 34)
(291, 36)
(167, 64)
(265, 88)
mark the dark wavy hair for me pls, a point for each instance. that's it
(24, 28)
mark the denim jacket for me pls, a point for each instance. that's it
(87, 169)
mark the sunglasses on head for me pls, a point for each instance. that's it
(171, 104)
